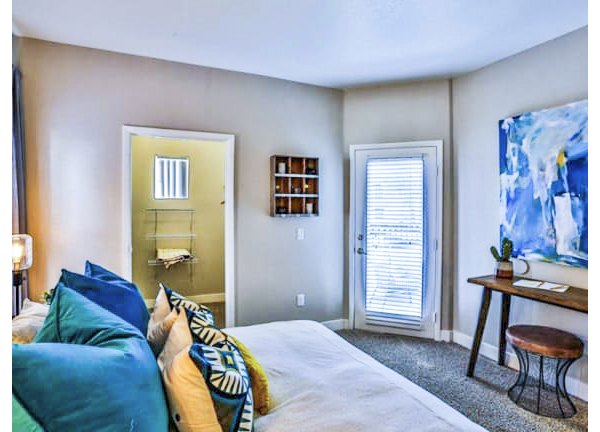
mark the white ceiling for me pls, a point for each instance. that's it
(334, 43)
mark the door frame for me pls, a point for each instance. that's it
(228, 140)
(436, 237)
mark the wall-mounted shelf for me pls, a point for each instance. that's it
(286, 195)
(157, 237)
(174, 236)
(294, 186)
(155, 262)
(297, 175)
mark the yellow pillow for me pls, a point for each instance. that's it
(190, 402)
(258, 378)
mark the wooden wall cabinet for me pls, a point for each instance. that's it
(294, 186)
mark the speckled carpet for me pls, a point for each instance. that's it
(440, 367)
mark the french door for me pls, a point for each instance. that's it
(395, 235)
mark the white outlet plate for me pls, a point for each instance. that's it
(299, 233)
(300, 300)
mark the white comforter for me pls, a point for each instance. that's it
(321, 383)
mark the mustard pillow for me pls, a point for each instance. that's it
(258, 378)
(190, 402)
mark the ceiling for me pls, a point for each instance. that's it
(333, 43)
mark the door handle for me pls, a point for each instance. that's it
(360, 251)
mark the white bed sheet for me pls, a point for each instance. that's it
(321, 383)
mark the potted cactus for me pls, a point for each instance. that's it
(504, 266)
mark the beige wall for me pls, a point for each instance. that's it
(76, 101)
(552, 74)
(206, 198)
(415, 111)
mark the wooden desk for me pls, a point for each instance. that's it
(574, 298)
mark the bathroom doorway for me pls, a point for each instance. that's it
(178, 226)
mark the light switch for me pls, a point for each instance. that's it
(299, 233)
(300, 300)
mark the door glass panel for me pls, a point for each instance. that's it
(395, 239)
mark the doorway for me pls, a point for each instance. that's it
(178, 215)
(395, 232)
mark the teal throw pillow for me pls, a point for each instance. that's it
(88, 370)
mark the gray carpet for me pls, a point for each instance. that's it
(440, 367)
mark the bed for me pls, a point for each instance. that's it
(320, 382)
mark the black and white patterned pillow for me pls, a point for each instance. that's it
(177, 300)
(228, 382)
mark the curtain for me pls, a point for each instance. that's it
(18, 167)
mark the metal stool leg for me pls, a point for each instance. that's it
(523, 373)
(563, 384)
(540, 383)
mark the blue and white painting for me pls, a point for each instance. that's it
(544, 184)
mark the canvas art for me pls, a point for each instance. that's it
(544, 184)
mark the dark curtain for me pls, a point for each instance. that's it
(18, 166)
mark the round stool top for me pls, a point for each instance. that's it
(545, 341)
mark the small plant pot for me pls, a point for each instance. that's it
(504, 269)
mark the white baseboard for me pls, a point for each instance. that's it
(338, 324)
(446, 336)
(200, 299)
(575, 387)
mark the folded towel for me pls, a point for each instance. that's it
(169, 257)
(168, 254)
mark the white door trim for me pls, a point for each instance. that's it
(438, 144)
(229, 141)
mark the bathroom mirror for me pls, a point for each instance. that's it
(171, 177)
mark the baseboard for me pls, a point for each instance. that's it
(338, 324)
(201, 298)
(576, 387)
(446, 335)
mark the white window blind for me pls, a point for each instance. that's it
(395, 231)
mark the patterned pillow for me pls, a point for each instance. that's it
(204, 331)
(176, 299)
(225, 374)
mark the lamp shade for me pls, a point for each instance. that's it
(22, 251)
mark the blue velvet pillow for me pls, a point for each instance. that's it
(89, 370)
(98, 272)
(125, 302)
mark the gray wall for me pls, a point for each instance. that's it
(16, 48)
(76, 101)
(551, 74)
(406, 112)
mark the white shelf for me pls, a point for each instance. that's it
(295, 215)
(310, 176)
(154, 262)
(284, 195)
(170, 210)
(174, 236)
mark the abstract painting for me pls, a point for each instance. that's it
(544, 184)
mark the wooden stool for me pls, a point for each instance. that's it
(543, 342)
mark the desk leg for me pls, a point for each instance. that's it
(503, 327)
(485, 306)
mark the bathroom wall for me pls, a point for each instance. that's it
(206, 222)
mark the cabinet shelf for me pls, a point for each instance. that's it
(295, 215)
(297, 175)
(294, 186)
(286, 195)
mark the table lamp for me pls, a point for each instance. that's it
(22, 258)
